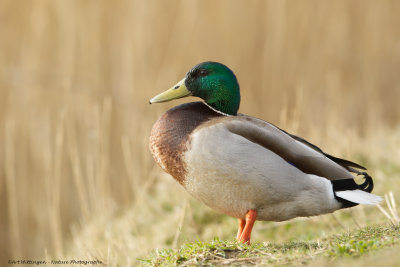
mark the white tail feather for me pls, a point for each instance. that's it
(358, 196)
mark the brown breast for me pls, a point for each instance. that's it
(169, 138)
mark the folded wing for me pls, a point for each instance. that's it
(295, 150)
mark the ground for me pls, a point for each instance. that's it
(346, 248)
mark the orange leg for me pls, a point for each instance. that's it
(242, 223)
(250, 219)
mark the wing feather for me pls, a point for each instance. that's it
(349, 165)
(305, 156)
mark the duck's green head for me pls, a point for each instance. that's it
(214, 82)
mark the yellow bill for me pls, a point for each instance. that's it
(177, 91)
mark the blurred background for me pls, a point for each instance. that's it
(76, 175)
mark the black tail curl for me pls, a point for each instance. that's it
(350, 184)
(368, 184)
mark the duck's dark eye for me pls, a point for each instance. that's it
(203, 72)
(197, 73)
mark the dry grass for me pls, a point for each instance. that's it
(76, 176)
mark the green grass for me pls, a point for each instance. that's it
(348, 245)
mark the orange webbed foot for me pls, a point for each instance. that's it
(245, 227)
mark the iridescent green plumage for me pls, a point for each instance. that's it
(216, 84)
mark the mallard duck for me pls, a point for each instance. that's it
(243, 166)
